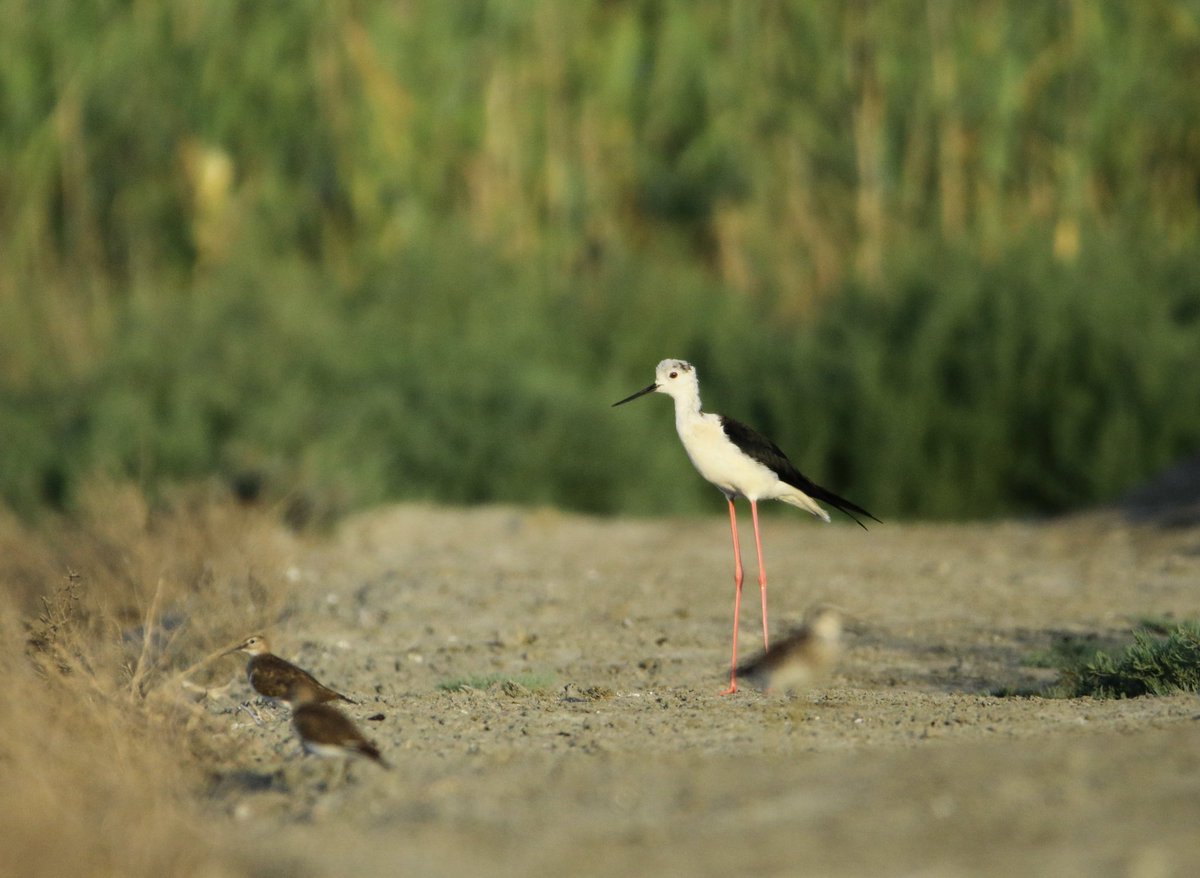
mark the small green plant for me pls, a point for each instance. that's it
(1074, 650)
(1159, 657)
(1152, 665)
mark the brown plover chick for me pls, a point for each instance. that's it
(324, 730)
(273, 677)
(800, 659)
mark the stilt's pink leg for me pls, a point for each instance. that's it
(762, 571)
(737, 596)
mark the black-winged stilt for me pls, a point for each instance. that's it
(741, 463)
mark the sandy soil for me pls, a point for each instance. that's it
(613, 754)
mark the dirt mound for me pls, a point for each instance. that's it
(1172, 498)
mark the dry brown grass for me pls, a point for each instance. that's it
(109, 623)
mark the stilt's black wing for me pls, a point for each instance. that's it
(766, 452)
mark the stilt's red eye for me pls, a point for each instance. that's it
(674, 375)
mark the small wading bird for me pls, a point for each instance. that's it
(741, 463)
(323, 729)
(801, 658)
(273, 677)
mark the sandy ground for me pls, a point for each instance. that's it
(614, 754)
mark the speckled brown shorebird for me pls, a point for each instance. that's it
(801, 658)
(274, 677)
(324, 730)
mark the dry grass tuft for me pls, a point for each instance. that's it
(108, 623)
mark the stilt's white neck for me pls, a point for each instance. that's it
(687, 404)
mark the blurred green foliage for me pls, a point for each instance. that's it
(1151, 665)
(947, 255)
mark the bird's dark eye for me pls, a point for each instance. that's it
(674, 375)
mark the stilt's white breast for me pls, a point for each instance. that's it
(713, 453)
(721, 462)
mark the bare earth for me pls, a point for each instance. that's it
(613, 753)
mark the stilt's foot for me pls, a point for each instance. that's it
(250, 712)
(732, 689)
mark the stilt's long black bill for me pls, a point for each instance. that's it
(642, 392)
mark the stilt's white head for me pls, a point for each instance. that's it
(825, 623)
(676, 378)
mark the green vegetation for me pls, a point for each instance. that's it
(1150, 666)
(1074, 651)
(949, 257)
(1158, 658)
